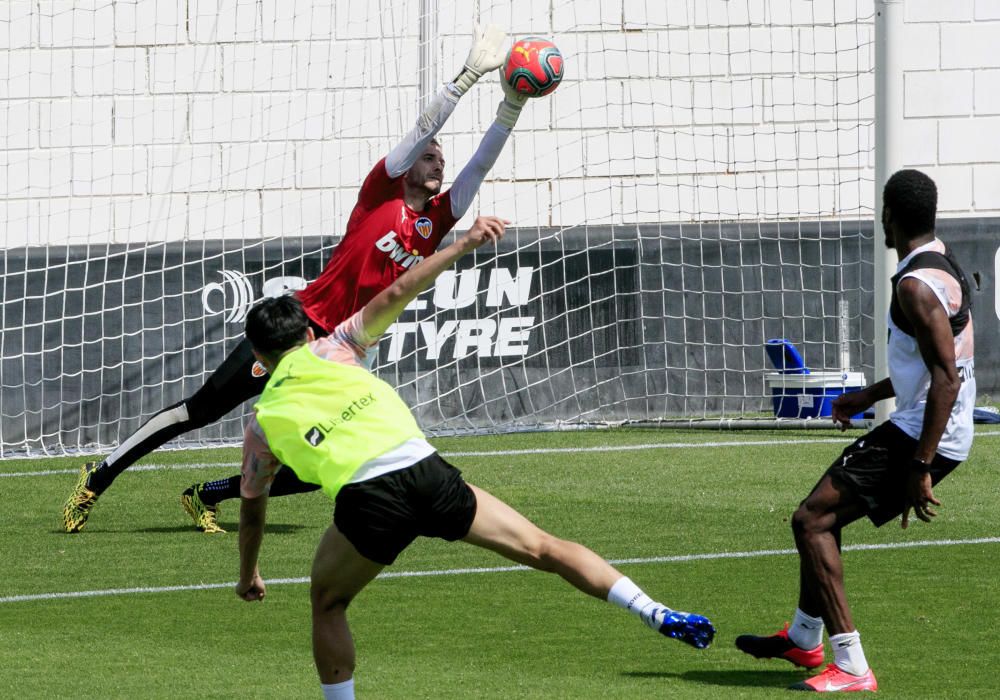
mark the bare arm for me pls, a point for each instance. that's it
(253, 512)
(258, 470)
(937, 348)
(854, 402)
(879, 391)
(382, 311)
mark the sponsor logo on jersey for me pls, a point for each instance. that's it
(424, 227)
(258, 370)
(350, 411)
(315, 436)
(279, 382)
(396, 250)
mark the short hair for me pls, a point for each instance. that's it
(912, 197)
(276, 324)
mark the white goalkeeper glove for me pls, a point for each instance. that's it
(486, 54)
(510, 109)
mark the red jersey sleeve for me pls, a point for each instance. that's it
(378, 187)
(439, 209)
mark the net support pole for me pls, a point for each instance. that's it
(427, 70)
(888, 159)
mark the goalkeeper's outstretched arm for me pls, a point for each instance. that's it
(466, 185)
(485, 55)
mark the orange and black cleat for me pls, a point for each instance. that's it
(779, 646)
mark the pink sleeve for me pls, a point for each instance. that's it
(348, 344)
(354, 329)
(259, 465)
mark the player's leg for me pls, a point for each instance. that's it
(339, 573)
(238, 379)
(809, 603)
(817, 526)
(286, 483)
(850, 489)
(95, 477)
(500, 528)
(229, 386)
(801, 641)
(868, 480)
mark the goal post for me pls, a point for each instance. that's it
(888, 159)
(702, 182)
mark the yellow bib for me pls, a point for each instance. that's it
(325, 419)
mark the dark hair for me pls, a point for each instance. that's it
(276, 324)
(912, 198)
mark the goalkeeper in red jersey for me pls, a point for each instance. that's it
(400, 218)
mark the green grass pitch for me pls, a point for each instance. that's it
(928, 615)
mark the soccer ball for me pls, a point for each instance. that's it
(534, 67)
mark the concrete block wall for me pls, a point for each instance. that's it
(152, 120)
(750, 109)
(147, 120)
(952, 101)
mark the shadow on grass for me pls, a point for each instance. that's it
(752, 679)
(230, 528)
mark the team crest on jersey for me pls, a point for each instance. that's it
(424, 227)
(258, 370)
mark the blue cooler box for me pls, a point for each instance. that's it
(809, 395)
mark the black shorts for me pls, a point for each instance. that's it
(382, 516)
(876, 466)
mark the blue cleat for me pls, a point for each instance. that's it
(690, 628)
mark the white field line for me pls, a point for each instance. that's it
(490, 570)
(504, 453)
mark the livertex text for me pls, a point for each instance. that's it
(318, 432)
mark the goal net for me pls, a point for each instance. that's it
(699, 184)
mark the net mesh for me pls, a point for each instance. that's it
(700, 182)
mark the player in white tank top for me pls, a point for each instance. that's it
(910, 376)
(891, 469)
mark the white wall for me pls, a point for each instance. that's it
(952, 101)
(148, 120)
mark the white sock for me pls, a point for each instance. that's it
(338, 691)
(629, 596)
(848, 654)
(806, 631)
